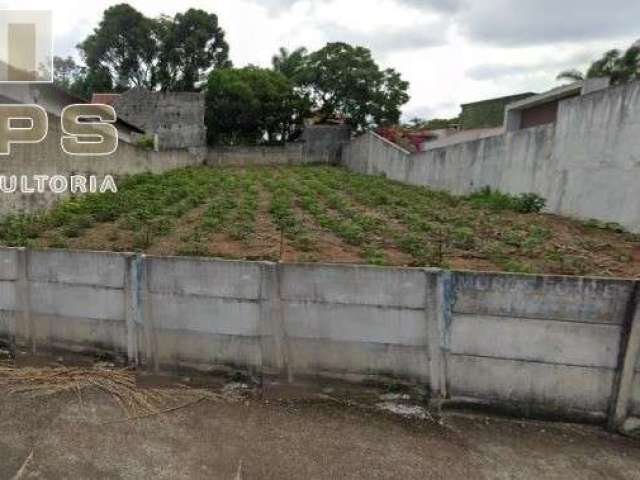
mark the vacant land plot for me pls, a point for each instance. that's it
(328, 214)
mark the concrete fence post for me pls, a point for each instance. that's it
(149, 356)
(23, 300)
(133, 306)
(275, 353)
(438, 303)
(629, 355)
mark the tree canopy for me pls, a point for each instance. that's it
(80, 80)
(289, 63)
(250, 105)
(170, 53)
(621, 67)
(189, 52)
(125, 44)
(192, 43)
(344, 81)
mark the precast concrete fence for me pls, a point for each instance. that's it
(565, 346)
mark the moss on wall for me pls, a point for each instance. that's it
(487, 113)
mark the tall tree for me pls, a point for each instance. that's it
(80, 80)
(250, 105)
(125, 44)
(620, 67)
(344, 81)
(171, 53)
(65, 72)
(289, 63)
(191, 43)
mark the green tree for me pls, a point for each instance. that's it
(191, 43)
(125, 44)
(79, 80)
(171, 53)
(289, 63)
(573, 75)
(91, 81)
(620, 67)
(344, 81)
(250, 105)
(65, 72)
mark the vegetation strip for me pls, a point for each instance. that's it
(189, 211)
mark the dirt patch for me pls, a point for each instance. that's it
(238, 434)
(182, 229)
(326, 246)
(103, 236)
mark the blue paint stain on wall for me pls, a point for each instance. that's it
(448, 299)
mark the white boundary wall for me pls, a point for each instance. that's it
(586, 165)
(566, 346)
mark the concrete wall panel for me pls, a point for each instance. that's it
(8, 264)
(553, 387)
(568, 343)
(77, 301)
(206, 351)
(355, 323)
(205, 315)
(355, 284)
(536, 296)
(229, 279)
(5, 324)
(7, 296)
(88, 268)
(78, 334)
(314, 356)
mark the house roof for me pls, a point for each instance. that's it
(105, 98)
(463, 136)
(51, 97)
(498, 99)
(549, 96)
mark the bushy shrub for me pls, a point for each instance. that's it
(146, 142)
(528, 203)
(521, 203)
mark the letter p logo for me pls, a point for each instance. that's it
(21, 124)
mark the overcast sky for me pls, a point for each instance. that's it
(451, 51)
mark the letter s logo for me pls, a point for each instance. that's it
(87, 137)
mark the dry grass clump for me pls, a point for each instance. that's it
(120, 384)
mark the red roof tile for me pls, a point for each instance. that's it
(104, 98)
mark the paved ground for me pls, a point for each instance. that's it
(252, 437)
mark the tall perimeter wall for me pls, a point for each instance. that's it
(586, 165)
(566, 346)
